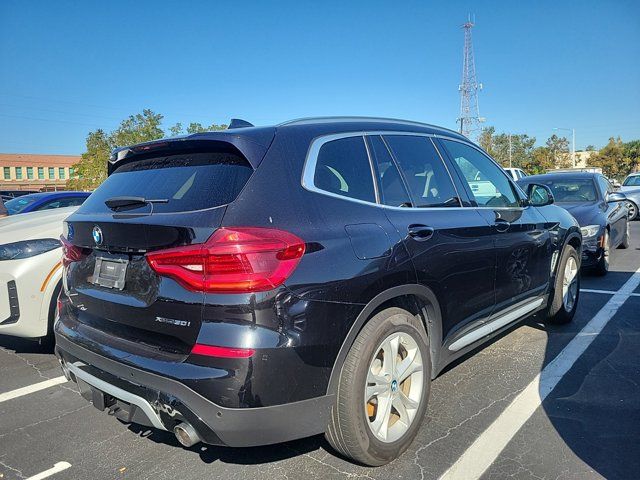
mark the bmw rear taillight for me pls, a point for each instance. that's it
(70, 252)
(232, 260)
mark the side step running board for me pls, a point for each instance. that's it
(495, 324)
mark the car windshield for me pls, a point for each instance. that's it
(18, 204)
(633, 181)
(572, 190)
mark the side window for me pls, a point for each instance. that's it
(390, 184)
(71, 201)
(343, 168)
(605, 186)
(49, 205)
(426, 176)
(487, 181)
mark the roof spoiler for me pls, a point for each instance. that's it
(253, 144)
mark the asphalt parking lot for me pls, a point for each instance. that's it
(509, 410)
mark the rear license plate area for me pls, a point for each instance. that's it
(110, 273)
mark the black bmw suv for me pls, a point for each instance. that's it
(259, 285)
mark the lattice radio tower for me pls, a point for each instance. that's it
(469, 112)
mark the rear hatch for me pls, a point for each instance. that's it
(170, 196)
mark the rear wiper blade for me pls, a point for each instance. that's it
(127, 203)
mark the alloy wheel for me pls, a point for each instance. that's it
(394, 388)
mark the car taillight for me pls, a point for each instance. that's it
(232, 260)
(71, 253)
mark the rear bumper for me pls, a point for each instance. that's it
(162, 402)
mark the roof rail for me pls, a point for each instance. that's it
(302, 121)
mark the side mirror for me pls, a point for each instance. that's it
(539, 195)
(616, 197)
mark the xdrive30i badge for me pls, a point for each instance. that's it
(173, 321)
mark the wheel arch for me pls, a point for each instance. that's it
(417, 299)
(575, 240)
(51, 285)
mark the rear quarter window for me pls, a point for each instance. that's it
(343, 168)
(187, 181)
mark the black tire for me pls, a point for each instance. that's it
(602, 267)
(348, 431)
(633, 210)
(558, 313)
(626, 241)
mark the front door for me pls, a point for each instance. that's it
(522, 241)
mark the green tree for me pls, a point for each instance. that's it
(138, 128)
(559, 151)
(514, 152)
(198, 128)
(541, 161)
(176, 130)
(485, 140)
(614, 158)
(91, 170)
(632, 151)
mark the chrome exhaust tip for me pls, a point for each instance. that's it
(186, 434)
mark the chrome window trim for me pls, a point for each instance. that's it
(308, 169)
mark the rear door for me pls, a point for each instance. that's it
(522, 240)
(112, 287)
(451, 246)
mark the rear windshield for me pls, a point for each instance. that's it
(184, 182)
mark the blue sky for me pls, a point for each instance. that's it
(71, 67)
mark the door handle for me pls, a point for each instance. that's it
(501, 225)
(420, 233)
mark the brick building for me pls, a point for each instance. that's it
(24, 171)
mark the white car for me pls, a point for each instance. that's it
(515, 173)
(30, 272)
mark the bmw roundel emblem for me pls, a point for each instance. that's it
(97, 235)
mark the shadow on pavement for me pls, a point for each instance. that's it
(238, 456)
(24, 345)
(595, 407)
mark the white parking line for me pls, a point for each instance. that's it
(488, 446)
(36, 387)
(57, 468)
(606, 292)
